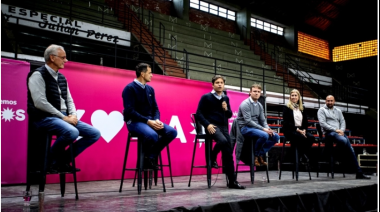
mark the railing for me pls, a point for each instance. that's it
(175, 45)
(83, 50)
(162, 29)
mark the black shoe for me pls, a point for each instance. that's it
(236, 185)
(360, 175)
(67, 168)
(150, 163)
(214, 164)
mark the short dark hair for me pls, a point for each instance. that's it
(218, 77)
(141, 67)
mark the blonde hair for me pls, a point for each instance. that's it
(300, 105)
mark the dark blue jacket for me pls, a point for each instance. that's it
(139, 104)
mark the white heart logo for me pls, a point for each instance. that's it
(108, 125)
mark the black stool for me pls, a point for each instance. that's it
(295, 164)
(156, 171)
(208, 142)
(139, 168)
(249, 144)
(329, 145)
(62, 175)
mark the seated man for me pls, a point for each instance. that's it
(143, 117)
(333, 126)
(51, 108)
(213, 113)
(252, 123)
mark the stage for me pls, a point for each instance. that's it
(105, 196)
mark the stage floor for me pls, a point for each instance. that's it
(105, 196)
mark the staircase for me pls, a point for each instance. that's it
(292, 81)
(142, 34)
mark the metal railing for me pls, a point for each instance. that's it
(83, 50)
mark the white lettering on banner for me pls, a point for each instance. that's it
(8, 114)
(8, 102)
(63, 25)
(80, 114)
(174, 122)
(108, 125)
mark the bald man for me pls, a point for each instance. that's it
(333, 126)
(51, 108)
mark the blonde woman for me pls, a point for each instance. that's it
(295, 124)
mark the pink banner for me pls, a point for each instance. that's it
(14, 121)
(96, 91)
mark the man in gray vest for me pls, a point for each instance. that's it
(333, 126)
(51, 109)
(252, 124)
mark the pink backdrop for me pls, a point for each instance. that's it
(96, 91)
(14, 121)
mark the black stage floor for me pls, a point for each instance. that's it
(105, 196)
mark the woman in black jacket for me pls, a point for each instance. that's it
(295, 125)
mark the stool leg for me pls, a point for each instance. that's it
(62, 181)
(282, 158)
(237, 171)
(170, 165)
(140, 167)
(208, 162)
(125, 162)
(296, 163)
(134, 179)
(252, 165)
(44, 169)
(155, 177)
(162, 172)
(267, 166)
(74, 171)
(308, 169)
(332, 165)
(150, 178)
(145, 179)
(192, 161)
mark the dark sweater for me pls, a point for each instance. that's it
(139, 104)
(210, 111)
(52, 93)
(288, 123)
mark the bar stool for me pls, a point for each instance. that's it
(295, 164)
(139, 168)
(249, 144)
(156, 171)
(329, 145)
(208, 142)
(43, 172)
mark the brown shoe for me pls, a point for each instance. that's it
(257, 162)
(262, 161)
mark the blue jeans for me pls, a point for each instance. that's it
(153, 143)
(264, 142)
(344, 144)
(67, 134)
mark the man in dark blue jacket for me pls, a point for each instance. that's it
(213, 113)
(143, 117)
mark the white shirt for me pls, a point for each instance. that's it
(297, 117)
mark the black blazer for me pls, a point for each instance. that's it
(288, 121)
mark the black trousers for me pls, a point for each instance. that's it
(298, 140)
(223, 143)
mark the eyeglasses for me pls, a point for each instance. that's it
(63, 58)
